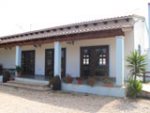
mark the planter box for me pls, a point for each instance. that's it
(98, 90)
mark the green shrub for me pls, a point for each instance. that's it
(134, 88)
(18, 69)
(136, 64)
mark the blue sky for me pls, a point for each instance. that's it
(24, 15)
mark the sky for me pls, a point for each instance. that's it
(17, 16)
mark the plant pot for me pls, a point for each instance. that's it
(91, 81)
(79, 81)
(108, 84)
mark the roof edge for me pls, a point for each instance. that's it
(76, 24)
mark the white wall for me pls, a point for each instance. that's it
(129, 47)
(140, 37)
(7, 57)
(72, 55)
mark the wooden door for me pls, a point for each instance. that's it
(28, 62)
(94, 61)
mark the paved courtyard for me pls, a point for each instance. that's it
(23, 101)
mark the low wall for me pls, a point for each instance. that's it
(98, 90)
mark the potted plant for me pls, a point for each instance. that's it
(68, 79)
(108, 82)
(79, 80)
(91, 81)
(18, 70)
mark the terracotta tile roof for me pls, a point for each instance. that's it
(82, 27)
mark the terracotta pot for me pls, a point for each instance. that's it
(108, 84)
(79, 81)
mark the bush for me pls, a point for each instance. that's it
(6, 76)
(134, 88)
(55, 83)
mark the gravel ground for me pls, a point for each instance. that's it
(25, 101)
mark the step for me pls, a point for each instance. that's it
(31, 81)
(36, 87)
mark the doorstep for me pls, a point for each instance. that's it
(31, 81)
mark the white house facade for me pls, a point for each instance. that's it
(94, 48)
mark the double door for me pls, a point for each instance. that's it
(94, 61)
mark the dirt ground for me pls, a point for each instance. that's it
(26, 101)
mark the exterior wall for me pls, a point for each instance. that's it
(129, 47)
(72, 55)
(140, 37)
(7, 57)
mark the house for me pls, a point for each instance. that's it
(94, 48)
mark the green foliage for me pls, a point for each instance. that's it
(137, 64)
(18, 69)
(134, 88)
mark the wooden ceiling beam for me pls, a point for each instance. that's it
(70, 37)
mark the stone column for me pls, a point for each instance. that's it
(120, 60)
(57, 59)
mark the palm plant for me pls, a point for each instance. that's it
(137, 64)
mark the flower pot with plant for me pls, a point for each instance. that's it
(91, 81)
(68, 79)
(108, 82)
(18, 70)
(79, 80)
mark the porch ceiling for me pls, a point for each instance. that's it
(70, 37)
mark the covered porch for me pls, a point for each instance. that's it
(79, 52)
(92, 61)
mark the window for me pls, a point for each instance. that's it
(86, 57)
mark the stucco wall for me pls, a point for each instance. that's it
(7, 56)
(72, 55)
(140, 37)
